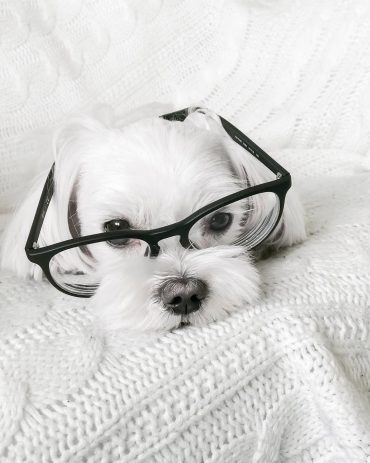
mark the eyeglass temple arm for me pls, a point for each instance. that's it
(239, 138)
(41, 210)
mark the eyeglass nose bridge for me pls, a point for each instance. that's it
(153, 249)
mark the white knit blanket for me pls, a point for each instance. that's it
(287, 380)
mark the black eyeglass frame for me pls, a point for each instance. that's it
(42, 255)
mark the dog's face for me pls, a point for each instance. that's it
(148, 175)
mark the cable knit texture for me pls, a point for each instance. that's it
(286, 380)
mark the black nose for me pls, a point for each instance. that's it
(183, 295)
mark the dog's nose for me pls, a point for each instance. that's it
(183, 295)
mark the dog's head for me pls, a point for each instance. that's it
(147, 175)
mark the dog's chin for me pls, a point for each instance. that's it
(126, 298)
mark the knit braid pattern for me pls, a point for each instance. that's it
(286, 380)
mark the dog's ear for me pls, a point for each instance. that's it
(72, 144)
(68, 149)
(250, 171)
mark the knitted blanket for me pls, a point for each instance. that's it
(285, 380)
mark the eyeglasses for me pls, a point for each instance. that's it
(246, 217)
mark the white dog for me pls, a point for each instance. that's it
(145, 175)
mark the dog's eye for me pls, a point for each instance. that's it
(220, 221)
(114, 225)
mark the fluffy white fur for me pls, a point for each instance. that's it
(153, 172)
